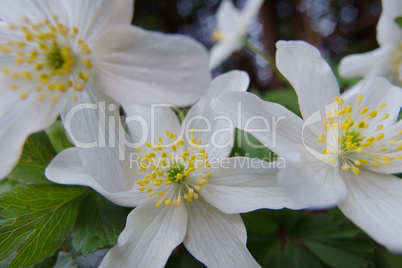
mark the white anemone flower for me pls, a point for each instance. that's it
(55, 54)
(385, 61)
(232, 27)
(345, 157)
(184, 186)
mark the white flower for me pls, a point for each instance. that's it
(344, 159)
(386, 60)
(55, 54)
(232, 27)
(183, 192)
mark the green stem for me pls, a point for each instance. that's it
(256, 51)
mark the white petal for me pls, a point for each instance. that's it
(219, 136)
(87, 120)
(150, 236)
(309, 74)
(243, 184)
(374, 203)
(93, 17)
(35, 11)
(217, 239)
(230, 81)
(387, 30)
(16, 10)
(5, 35)
(376, 62)
(50, 8)
(395, 167)
(149, 122)
(18, 119)
(138, 66)
(66, 168)
(228, 18)
(272, 124)
(94, 125)
(222, 51)
(377, 91)
(311, 182)
(353, 91)
(250, 11)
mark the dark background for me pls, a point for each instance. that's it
(336, 27)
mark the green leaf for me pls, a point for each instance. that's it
(335, 255)
(58, 136)
(333, 238)
(306, 239)
(98, 225)
(398, 21)
(295, 256)
(6, 185)
(247, 145)
(384, 259)
(36, 155)
(35, 219)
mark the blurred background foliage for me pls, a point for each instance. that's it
(336, 27)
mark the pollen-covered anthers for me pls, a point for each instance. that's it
(48, 53)
(357, 144)
(397, 64)
(167, 170)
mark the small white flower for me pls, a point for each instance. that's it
(344, 158)
(57, 54)
(182, 191)
(386, 60)
(232, 27)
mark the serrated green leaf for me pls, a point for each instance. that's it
(398, 21)
(338, 243)
(35, 220)
(99, 223)
(298, 257)
(36, 155)
(335, 255)
(314, 239)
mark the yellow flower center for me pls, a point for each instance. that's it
(48, 53)
(173, 172)
(397, 64)
(347, 131)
